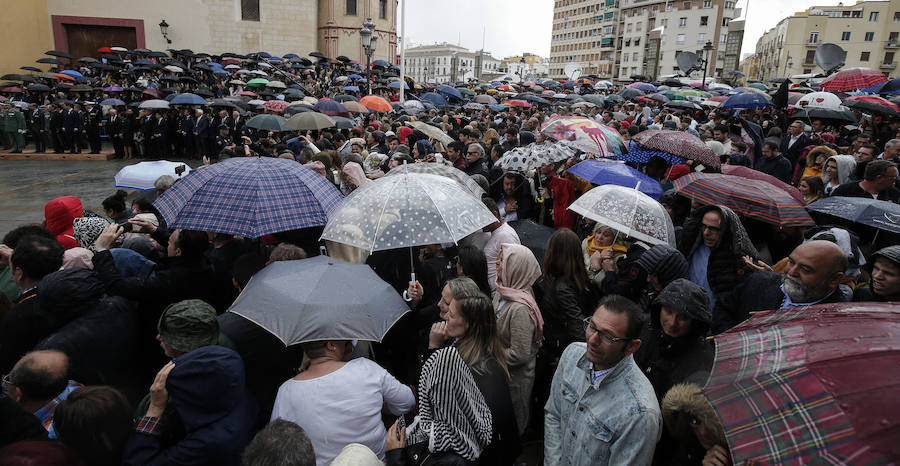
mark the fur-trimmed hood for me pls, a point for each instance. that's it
(684, 401)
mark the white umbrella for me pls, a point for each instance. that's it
(231, 67)
(820, 100)
(154, 104)
(628, 211)
(174, 69)
(142, 175)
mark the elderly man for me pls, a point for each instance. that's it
(39, 382)
(794, 141)
(475, 159)
(602, 409)
(891, 151)
(878, 183)
(884, 284)
(813, 276)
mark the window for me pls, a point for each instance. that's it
(729, 5)
(870, 36)
(707, 3)
(813, 37)
(637, 27)
(873, 16)
(888, 58)
(625, 57)
(628, 27)
(250, 10)
(701, 37)
(725, 21)
(382, 9)
(864, 56)
(682, 22)
(637, 42)
(892, 39)
(351, 7)
(810, 57)
(704, 20)
(845, 36)
(679, 39)
(896, 16)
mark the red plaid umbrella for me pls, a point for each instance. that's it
(679, 143)
(853, 78)
(746, 172)
(811, 385)
(752, 198)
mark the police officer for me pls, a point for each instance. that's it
(223, 140)
(93, 118)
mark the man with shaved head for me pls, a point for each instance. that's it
(39, 382)
(813, 276)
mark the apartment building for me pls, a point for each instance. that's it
(446, 62)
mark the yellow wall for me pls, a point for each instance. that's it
(24, 34)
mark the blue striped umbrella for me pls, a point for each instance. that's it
(639, 154)
(250, 197)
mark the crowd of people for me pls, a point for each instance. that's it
(116, 347)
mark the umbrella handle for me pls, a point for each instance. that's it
(412, 279)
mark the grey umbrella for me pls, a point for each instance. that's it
(296, 301)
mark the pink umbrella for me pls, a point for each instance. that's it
(277, 106)
(745, 172)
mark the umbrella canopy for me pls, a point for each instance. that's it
(449, 92)
(882, 215)
(586, 134)
(629, 211)
(142, 175)
(789, 387)
(155, 104)
(850, 79)
(533, 236)
(187, 99)
(309, 121)
(441, 170)
(746, 100)
(869, 105)
(485, 99)
(353, 106)
(112, 102)
(752, 198)
(344, 123)
(407, 209)
(379, 104)
(637, 153)
(277, 106)
(746, 172)
(522, 159)
(330, 107)
(268, 122)
(295, 301)
(678, 143)
(258, 82)
(630, 93)
(820, 100)
(249, 196)
(840, 116)
(431, 131)
(647, 87)
(603, 172)
(437, 99)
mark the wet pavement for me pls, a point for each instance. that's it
(26, 185)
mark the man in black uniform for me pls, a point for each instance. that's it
(186, 134)
(201, 134)
(115, 127)
(57, 136)
(36, 126)
(159, 141)
(72, 127)
(223, 140)
(93, 118)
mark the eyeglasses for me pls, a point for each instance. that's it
(590, 330)
(7, 381)
(472, 153)
(713, 229)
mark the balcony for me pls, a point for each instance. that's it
(891, 44)
(887, 66)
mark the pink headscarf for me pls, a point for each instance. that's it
(356, 173)
(316, 166)
(78, 257)
(519, 271)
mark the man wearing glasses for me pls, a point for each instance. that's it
(602, 409)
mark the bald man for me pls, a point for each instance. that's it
(813, 276)
(39, 382)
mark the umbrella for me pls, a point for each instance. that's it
(873, 99)
(533, 236)
(413, 106)
(850, 79)
(745, 100)
(295, 301)
(586, 135)
(485, 99)
(517, 103)
(143, 175)
(841, 116)
(533, 99)
(112, 102)
(309, 121)
(113, 89)
(435, 98)
(38, 87)
(268, 122)
(637, 153)
(431, 131)
(31, 68)
(49, 61)
(820, 100)
(872, 108)
(473, 106)
(449, 91)
(353, 106)
(258, 82)
(57, 53)
(187, 99)
(629, 211)
(441, 170)
(330, 107)
(376, 103)
(344, 123)
(277, 106)
(345, 98)
(752, 198)
(276, 85)
(746, 172)
(630, 93)
(522, 159)
(154, 104)
(882, 215)
(647, 87)
(603, 172)
(249, 196)
(809, 385)
(659, 98)
(405, 210)
(398, 85)
(678, 143)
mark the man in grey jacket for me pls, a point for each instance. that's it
(602, 409)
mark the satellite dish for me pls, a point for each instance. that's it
(688, 61)
(830, 57)
(572, 70)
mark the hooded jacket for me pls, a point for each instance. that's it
(59, 215)
(683, 403)
(207, 389)
(846, 165)
(667, 360)
(726, 267)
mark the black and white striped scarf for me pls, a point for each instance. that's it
(453, 415)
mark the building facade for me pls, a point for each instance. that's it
(446, 62)
(616, 39)
(869, 31)
(213, 26)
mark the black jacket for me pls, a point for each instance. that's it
(505, 445)
(564, 308)
(18, 425)
(726, 267)
(478, 167)
(405, 457)
(793, 153)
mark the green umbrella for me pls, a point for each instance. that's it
(759, 86)
(690, 93)
(258, 82)
(672, 95)
(465, 91)
(268, 122)
(292, 91)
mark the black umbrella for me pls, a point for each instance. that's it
(144, 61)
(187, 79)
(133, 89)
(683, 104)
(827, 114)
(533, 236)
(51, 61)
(345, 98)
(38, 87)
(204, 92)
(294, 109)
(672, 83)
(57, 53)
(630, 92)
(157, 55)
(533, 98)
(11, 77)
(736, 74)
(141, 50)
(31, 68)
(318, 55)
(88, 60)
(342, 58)
(343, 123)
(882, 215)
(870, 108)
(222, 103)
(102, 66)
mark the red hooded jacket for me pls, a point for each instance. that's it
(59, 214)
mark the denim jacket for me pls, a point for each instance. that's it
(616, 422)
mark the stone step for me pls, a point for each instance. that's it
(30, 154)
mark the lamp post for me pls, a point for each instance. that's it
(707, 48)
(368, 39)
(164, 29)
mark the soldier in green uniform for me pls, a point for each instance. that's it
(4, 106)
(16, 121)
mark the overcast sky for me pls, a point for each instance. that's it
(514, 26)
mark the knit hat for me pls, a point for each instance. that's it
(664, 262)
(356, 454)
(187, 325)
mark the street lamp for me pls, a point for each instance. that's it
(368, 39)
(164, 29)
(707, 48)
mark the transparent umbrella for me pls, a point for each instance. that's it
(629, 211)
(441, 170)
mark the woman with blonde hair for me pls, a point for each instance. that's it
(602, 238)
